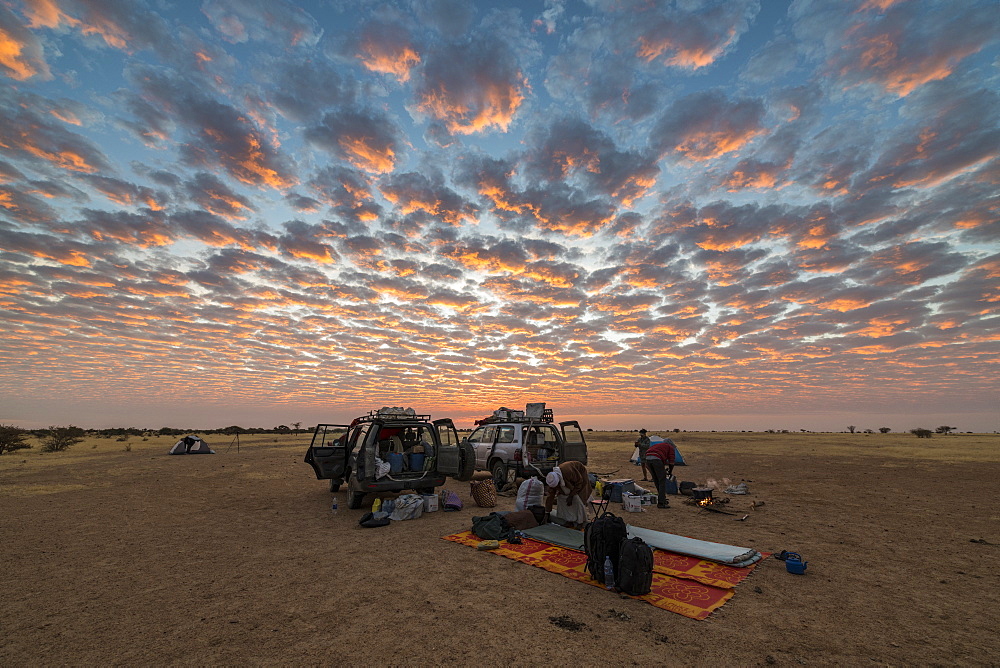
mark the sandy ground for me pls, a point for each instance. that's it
(115, 557)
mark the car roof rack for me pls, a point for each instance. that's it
(508, 416)
(393, 417)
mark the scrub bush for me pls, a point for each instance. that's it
(12, 438)
(57, 439)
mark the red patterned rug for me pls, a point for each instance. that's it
(685, 585)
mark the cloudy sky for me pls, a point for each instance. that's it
(694, 214)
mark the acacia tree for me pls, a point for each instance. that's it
(920, 432)
(12, 438)
(944, 429)
(57, 439)
(884, 430)
(851, 428)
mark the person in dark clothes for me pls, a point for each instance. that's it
(643, 444)
(660, 460)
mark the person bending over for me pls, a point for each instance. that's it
(568, 489)
(660, 460)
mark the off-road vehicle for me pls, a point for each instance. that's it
(389, 451)
(513, 443)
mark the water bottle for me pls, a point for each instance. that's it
(609, 574)
(333, 507)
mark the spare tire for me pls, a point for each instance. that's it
(467, 456)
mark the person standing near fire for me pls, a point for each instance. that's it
(660, 459)
(643, 444)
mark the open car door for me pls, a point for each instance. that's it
(328, 452)
(574, 445)
(455, 459)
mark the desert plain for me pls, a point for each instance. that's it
(118, 554)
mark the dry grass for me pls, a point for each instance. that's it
(115, 557)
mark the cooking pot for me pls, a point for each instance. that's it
(701, 493)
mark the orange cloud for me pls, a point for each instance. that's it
(711, 144)
(254, 164)
(364, 154)
(67, 159)
(691, 57)
(492, 105)
(394, 59)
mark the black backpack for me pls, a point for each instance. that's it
(492, 527)
(635, 567)
(603, 538)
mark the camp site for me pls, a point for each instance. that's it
(119, 553)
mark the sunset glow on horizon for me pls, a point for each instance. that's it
(730, 214)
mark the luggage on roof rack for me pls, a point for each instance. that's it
(534, 413)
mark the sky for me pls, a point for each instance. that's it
(734, 214)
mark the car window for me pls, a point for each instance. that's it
(549, 433)
(490, 435)
(477, 435)
(506, 435)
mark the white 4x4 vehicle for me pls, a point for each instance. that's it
(525, 443)
(426, 452)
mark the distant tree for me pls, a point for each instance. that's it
(944, 429)
(57, 439)
(12, 438)
(851, 428)
(282, 428)
(884, 430)
(919, 432)
(296, 425)
(234, 430)
(869, 431)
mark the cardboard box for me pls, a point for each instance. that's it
(430, 502)
(631, 503)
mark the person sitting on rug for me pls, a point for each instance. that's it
(569, 490)
(660, 460)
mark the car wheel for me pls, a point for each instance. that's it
(334, 486)
(499, 472)
(467, 458)
(355, 499)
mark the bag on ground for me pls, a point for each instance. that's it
(603, 538)
(520, 520)
(408, 507)
(484, 493)
(635, 567)
(492, 527)
(529, 494)
(450, 500)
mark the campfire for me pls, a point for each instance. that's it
(702, 497)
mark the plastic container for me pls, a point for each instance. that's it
(395, 460)
(416, 461)
(333, 507)
(794, 563)
(609, 574)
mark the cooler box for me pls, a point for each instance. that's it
(620, 488)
